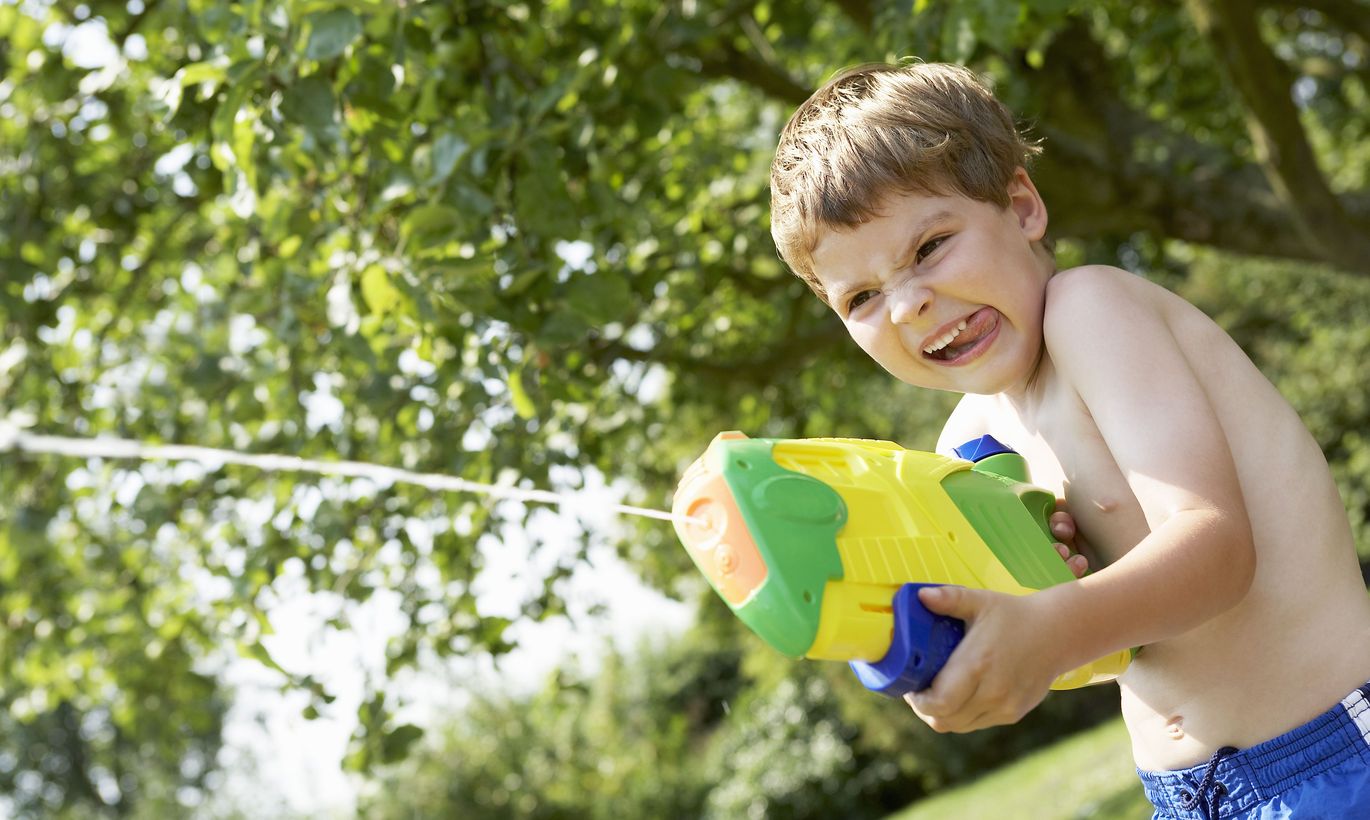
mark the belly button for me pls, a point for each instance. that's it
(1175, 728)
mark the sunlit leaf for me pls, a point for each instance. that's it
(331, 32)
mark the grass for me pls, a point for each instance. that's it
(1087, 775)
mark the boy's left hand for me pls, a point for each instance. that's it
(1068, 544)
(999, 672)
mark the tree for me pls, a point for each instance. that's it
(509, 241)
(699, 726)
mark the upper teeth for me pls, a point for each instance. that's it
(945, 340)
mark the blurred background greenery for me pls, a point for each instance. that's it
(527, 242)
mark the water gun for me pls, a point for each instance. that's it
(820, 546)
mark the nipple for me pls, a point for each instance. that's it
(1175, 728)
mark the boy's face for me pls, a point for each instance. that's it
(944, 291)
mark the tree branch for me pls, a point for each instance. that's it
(1091, 196)
(1091, 174)
(1092, 177)
(730, 62)
(1263, 83)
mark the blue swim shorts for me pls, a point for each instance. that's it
(1319, 770)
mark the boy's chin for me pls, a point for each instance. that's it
(976, 387)
(942, 387)
(925, 384)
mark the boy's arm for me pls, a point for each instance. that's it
(1120, 356)
(968, 422)
(1123, 360)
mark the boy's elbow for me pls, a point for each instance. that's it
(1224, 554)
(1238, 565)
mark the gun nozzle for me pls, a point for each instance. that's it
(704, 519)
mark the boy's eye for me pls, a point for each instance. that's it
(859, 299)
(929, 246)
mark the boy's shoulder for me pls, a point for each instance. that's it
(1086, 290)
(1091, 305)
(1106, 333)
(1081, 303)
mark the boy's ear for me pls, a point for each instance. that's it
(1027, 205)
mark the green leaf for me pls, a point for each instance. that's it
(310, 103)
(255, 651)
(563, 327)
(448, 149)
(543, 202)
(358, 759)
(223, 125)
(599, 297)
(524, 407)
(397, 742)
(244, 138)
(380, 295)
(201, 72)
(431, 223)
(471, 200)
(331, 33)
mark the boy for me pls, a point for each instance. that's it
(900, 195)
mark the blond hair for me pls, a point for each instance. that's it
(881, 129)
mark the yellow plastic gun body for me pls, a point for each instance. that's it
(812, 542)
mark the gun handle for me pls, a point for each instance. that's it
(919, 647)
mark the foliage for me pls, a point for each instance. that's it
(1312, 340)
(73, 761)
(619, 743)
(510, 241)
(698, 727)
(789, 753)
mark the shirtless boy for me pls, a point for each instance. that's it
(899, 193)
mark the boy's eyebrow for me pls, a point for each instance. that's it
(923, 226)
(915, 236)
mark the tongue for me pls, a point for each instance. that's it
(979, 323)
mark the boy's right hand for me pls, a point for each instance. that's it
(1062, 526)
(1001, 669)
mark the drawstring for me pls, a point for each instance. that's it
(1208, 791)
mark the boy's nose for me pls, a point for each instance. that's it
(908, 303)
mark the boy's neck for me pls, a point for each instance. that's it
(1026, 398)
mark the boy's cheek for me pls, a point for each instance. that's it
(865, 336)
(886, 351)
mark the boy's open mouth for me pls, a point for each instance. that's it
(963, 338)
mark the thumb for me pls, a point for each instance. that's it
(958, 602)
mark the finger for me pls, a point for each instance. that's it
(958, 602)
(1062, 525)
(1079, 565)
(1063, 551)
(935, 722)
(943, 706)
(985, 720)
(939, 724)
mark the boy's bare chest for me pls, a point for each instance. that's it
(1066, 455)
